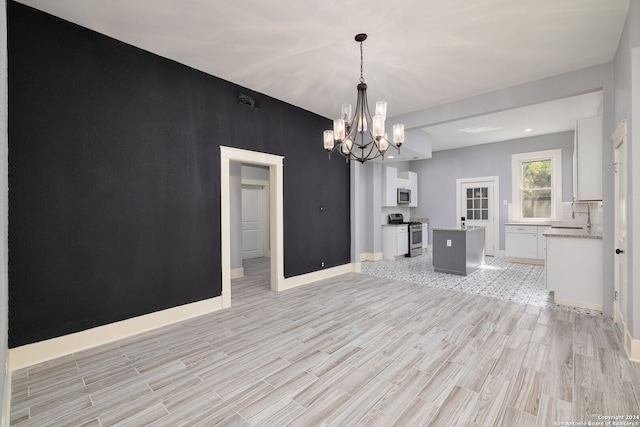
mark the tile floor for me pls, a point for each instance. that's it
(498, 278)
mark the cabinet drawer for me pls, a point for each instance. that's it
(521, 229)
(402, 229)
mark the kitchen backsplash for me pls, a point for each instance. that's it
(577, 213)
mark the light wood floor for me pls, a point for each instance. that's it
(355, 350)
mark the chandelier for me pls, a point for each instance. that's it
(359, 136)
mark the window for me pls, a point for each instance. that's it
(537, 185)
(477, 204)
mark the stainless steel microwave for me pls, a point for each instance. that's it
(404, 196)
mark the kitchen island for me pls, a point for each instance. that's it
(458, 250)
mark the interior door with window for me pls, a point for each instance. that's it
(477, 207)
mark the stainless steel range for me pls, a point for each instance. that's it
(415, 233)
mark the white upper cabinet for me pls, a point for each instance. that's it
(587, 159)
(389, 186)
(412, 184)
(392, 180)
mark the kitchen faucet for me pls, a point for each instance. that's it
(573, 213)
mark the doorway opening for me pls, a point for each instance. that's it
(275, 223)
(477, 203)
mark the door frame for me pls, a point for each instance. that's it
(619, 138)
(495, 205)
(276, 211)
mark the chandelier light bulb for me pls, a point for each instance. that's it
(345, 113)
(328, 140)
(383, 143)
(346, 146)
(362, 125)
(398, 134)
(339, 129)
(381, 109)
(378, 125)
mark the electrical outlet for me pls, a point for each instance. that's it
(448, 243)
(322, 264)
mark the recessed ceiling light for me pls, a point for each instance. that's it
(528, 130)
(480, 129)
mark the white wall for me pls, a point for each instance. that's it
(235, 199)
(627, 96)
(4, 204)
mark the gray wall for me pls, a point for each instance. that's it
(437, 176)
(626, 92)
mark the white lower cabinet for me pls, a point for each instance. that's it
(395, 241)
(525, 243)
(542, 242)
(574, 271)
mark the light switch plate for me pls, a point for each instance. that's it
(448, 243)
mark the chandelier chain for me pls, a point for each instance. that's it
(361, 60)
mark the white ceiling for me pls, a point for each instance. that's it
(420, 53)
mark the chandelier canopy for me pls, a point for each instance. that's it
(360, 136)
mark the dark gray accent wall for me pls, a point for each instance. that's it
(114, 177)
(437, 176)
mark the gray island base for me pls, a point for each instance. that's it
(458, 250)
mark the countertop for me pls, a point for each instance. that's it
(582, 233)
(529, 223)
(469, 228)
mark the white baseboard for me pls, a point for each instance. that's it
(527, 261)
(303, 279)
(32, 354)
(369, 256)
(631, 346)
(237, 272)
(580, 304)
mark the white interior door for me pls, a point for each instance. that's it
(252, 222)
(619, 139)
(477, 204)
